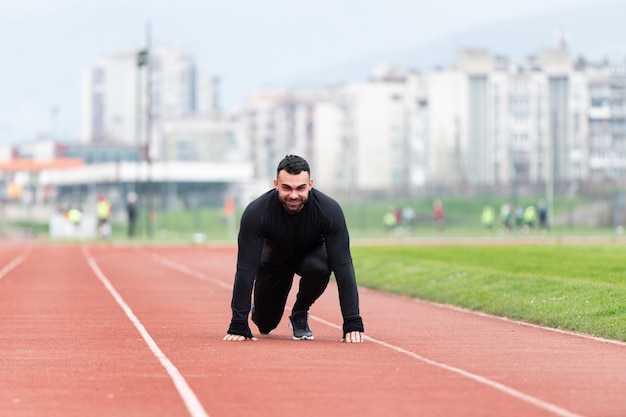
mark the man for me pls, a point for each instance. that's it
(292, 229)
(75, 216)
(103, 209)
(131, 211)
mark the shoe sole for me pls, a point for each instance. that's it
(303, 337)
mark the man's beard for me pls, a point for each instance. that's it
(293, 206)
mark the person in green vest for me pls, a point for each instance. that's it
(103, 210)
(488, 217)
(75, 215)
(389, 220)
(530, 217)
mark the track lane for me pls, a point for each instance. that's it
(276, 376)
(563, 374)
(68, 350)
(181, 296)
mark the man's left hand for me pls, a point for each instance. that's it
(354, 337)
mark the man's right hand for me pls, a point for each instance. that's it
(238, 331)
(237, 337)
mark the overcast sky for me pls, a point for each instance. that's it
(46, 44)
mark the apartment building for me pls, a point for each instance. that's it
(606, 141)
(484, 121)
(181, 151)
(118, 89)
(498, 123)
(277, 123)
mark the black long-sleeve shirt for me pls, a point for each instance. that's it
(265, 222)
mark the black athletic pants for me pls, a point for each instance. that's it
(272, 286)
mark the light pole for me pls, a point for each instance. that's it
(144, 59)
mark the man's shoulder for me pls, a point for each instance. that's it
(322, 197)
(262, 201)
(327, 203)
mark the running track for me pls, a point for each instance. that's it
(99, 330)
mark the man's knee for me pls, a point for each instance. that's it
(265, 322)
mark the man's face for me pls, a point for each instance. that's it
(293, 190)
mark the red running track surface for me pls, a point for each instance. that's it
(103, 330)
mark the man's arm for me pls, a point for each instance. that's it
(250, 246)
(348, 297)
(337, 242)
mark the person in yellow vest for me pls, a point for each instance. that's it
(530, 218)
(389, 220)
(103, 210)
(75, 215)
(488, 217)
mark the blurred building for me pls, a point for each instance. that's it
(118, 89)
(483, 122)
(606, 140)
(277, 123)
(497, 123)
(151, 124)
(357, 137)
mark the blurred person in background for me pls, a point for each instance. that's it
(408, 218)
(530, 218)
(389, 220)
(103, 211)
(542, 214)
(439, 214)
(75, 216)
(519, 217)
(131, 212)
(488, 218)
(506, 217)
(292, 229)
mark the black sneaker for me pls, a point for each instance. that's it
(299, 323)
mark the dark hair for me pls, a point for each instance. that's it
(294, 165)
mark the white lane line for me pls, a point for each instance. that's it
(8, 267)
(189, 397)
(559, 411)
(186, 270)
(15, 262)
(556, 410)
(523, 323)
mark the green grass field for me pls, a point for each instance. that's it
(581, 288)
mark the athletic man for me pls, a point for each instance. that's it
(292, 229)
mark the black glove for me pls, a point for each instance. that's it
(240, 328)
(352, 324)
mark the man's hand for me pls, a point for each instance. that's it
(237, 337)
(354, 337)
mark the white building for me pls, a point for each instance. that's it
(115, 94)
(278, 123)
(110, 99)
(355, 137)
(482, 122)
(607, 120)
(376, 132)
(201, 139)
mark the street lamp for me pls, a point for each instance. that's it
(144, 60)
